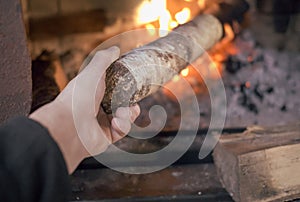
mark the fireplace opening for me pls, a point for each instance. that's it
(258, 61)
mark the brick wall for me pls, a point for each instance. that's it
(120, 16)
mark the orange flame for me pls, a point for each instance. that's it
(229, 33)
(164, 21)
(150, 11)
(156, 10)
(201, 4)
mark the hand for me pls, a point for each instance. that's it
(72, 117)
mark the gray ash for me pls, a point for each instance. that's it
(262, 87)
(271, 96)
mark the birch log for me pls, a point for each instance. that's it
(141, 71)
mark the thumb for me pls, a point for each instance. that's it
(102, 59)
(105, 57)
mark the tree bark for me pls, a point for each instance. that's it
(141, 71)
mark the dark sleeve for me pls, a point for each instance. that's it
(32, 167)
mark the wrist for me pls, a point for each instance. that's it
(59, 122)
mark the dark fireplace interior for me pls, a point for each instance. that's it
(257, 59)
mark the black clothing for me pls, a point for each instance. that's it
(32, 167)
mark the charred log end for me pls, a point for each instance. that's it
(120, 86)
(125, 86)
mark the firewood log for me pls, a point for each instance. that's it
(261, 164)
(139, 72)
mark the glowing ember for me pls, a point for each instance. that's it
(176, 78)
(221, 51)
(183, 16)
(185, 72)
(219, 57)
(201, 4)
(229, 33)
(248, 84)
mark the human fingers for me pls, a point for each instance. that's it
(121, 123)
(102, 59)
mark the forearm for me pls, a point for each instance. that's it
(71, 117)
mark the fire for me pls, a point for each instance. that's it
(185, 72)
(219, 57)
(221, 51)
(229, 33)
(150, 11)
(156, 11)
(173, 24)
(183, 16)
(164, 21)
(201, 4)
